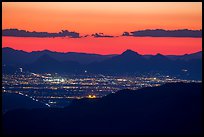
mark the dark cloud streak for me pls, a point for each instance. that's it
(165, 33)
(140, 33)
(24, 33)
(98, 35)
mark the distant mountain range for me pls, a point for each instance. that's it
(188, 65)
(13, 57)
(170, 109)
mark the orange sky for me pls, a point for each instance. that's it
(106, 17)
(142, 45)
(109, 18)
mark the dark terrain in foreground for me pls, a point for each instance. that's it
(11, 101)
(172, 109)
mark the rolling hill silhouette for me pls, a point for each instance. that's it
(170, 109)
(196, 55)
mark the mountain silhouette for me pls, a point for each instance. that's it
(132, 62)
(127, 56)
(170, 109)
(48, 64)
(46, 59)
(197, 55)
(160, 62)
(14, 57)
(129, 62)
(45, 64)
(129, 52)
(186, 57)
(117, 63)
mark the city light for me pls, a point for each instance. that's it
(51, 89)
(91, 96)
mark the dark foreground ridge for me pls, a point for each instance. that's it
(12, 101)
(169, 109)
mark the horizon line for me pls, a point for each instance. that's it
(98, 54)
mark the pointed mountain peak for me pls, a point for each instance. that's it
(11, 50)
(8, 48)
(130, 52)
(46, 50)
(43, 51)
(159, 55)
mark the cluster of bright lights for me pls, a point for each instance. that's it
(91, 96)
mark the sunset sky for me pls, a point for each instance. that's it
(106, 17)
